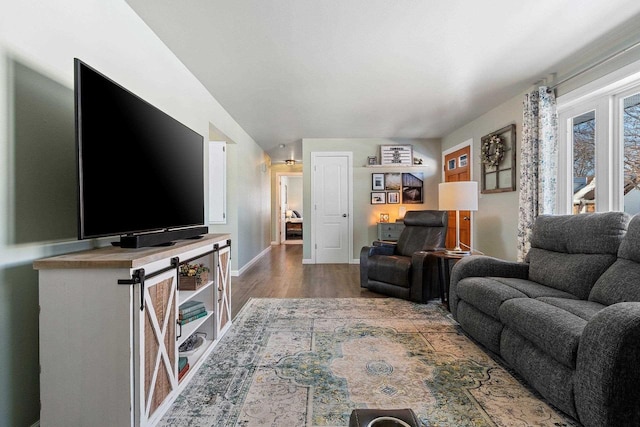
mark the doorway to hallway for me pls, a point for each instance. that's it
(290, 211)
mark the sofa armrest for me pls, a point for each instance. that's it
(607, 373)
(483, 266)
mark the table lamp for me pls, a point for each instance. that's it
(458, 196)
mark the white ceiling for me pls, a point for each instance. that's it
(292, 69)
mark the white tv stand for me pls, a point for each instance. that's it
(109, 335)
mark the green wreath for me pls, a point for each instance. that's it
(492, 151)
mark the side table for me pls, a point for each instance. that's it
(390, 230)
(444, 267)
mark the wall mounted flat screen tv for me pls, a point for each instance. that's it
(139, 170)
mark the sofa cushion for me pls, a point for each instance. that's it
(630, 246)
(594, 233)
(488, 293)
(552, 329)
(533, 289)
(570, 252)
(390, 269)
(621, 282)
(572, 273)
(581, 308)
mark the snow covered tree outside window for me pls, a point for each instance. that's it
(631, 135)
(584, 162)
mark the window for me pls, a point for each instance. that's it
(631, 154)
(599, 145)
(583, 136)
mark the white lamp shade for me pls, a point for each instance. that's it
(458, 196)
(401, 212)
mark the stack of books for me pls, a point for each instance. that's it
(190, 311)
(183, 367)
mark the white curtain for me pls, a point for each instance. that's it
(538, 163)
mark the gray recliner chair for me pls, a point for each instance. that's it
(404, 270)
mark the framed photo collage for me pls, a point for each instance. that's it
(395, 188)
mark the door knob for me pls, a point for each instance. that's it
(344, 215)
(466, 218)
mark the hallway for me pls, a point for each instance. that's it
(281, 274)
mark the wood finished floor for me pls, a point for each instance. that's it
(281, 274)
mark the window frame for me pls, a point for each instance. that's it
(605, 96)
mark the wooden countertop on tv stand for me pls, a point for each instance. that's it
(116, 257)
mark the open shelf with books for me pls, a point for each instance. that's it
(196, 310)
(191, 351)
(188, 329)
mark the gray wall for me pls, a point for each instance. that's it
(38, 43)
(496, 221)
(495, 224)
(365, 215)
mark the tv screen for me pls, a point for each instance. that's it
(139, 169)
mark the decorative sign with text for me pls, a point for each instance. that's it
(396, 155)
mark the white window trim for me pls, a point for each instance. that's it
(603, 95)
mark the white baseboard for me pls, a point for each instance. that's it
(310, 261)
(250, 263)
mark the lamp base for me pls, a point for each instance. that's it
(457, 251)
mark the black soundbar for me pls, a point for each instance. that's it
(163, 238)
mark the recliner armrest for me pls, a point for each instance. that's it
(368, 251)
(384, 243)
(424, 268)
(380, 249)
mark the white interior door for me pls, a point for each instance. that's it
(331, 203)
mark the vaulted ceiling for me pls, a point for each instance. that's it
(292, 69)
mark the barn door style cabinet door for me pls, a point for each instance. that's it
(156, 321)
(223, 288)
(114, 331)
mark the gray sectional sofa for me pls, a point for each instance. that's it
(568, 319)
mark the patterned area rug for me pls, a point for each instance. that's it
(310, 362)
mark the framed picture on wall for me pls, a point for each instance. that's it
(392, 181)
(401, 154)
(412, 188)
(393, 197)
(378, 198)
(498, 161)
(377, 181)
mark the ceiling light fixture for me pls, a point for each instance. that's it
(290, 162)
